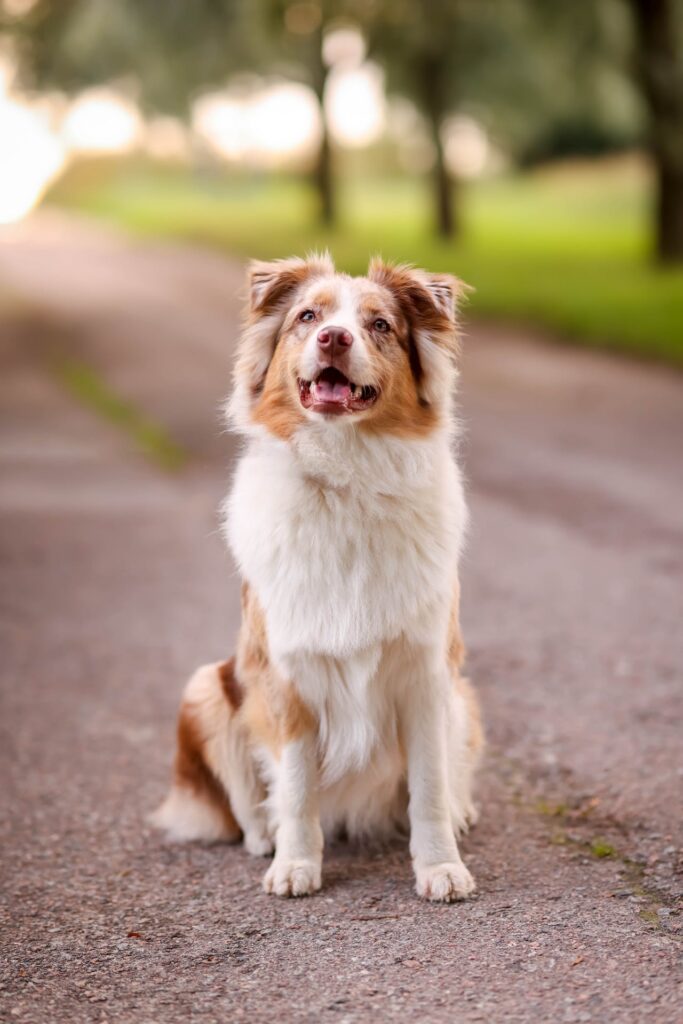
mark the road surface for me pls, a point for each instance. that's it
(115, 586)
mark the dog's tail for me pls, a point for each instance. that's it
(198, 805)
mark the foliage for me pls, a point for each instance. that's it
(165, 52)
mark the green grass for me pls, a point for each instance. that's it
(567, 250)
(85, 384)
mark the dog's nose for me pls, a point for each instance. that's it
(334, 339)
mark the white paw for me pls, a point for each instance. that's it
(258, 844)
(444, 882)
(292, 877)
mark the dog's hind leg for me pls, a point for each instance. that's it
(216, 793)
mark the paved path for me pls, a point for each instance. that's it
(115, 585)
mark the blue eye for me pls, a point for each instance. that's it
(381, 325)
(307, 316)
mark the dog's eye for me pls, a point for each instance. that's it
(381, 325)
(307, 317)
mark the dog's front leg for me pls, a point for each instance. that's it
(296, 867)
(439, 870)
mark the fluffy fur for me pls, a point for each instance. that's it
(344, 709)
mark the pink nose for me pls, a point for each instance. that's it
(330, 339)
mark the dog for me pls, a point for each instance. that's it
(343, 710)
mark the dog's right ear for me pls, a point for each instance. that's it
(272, 287)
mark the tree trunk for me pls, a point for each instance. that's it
(669, 212)
(323, 172)
(431, 74)
(661, 75)
(322, 176)
(444, 190)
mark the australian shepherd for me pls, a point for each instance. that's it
(343, 710)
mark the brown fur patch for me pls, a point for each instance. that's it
(252, 648)
(231, 688)
(399, 412)
(278, 408)
(192, 771)
(274, 712)
(296, 718)
(276, 715)
(324, 297)
(378, 302)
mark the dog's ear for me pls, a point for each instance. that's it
(271, 290)
(271, 285)
(430, 305)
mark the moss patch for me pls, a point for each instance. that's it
(151, 438)
(600, 848)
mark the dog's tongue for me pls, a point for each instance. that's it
(332, 391)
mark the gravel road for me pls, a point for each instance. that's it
(115, 585)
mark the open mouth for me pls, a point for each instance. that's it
(332, 392)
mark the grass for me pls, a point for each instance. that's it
(85, 385)
(567, 250)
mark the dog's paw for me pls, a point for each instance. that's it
(258, 844)
(292, 877)
(444, 882)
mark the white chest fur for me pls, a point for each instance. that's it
(347, 541)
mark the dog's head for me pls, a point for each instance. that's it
(377, 352)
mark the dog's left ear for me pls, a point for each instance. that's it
(430, 304)
(272, 288)
(445, 291)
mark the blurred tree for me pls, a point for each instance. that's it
(659, 34)
(501, 61)
(166, 55)
(170, 54)
(296, 32)
(545, 77)
(598, 42)
(417, 41)
(579, 98)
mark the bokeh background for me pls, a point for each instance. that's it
(535, 147)
(532, 147)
